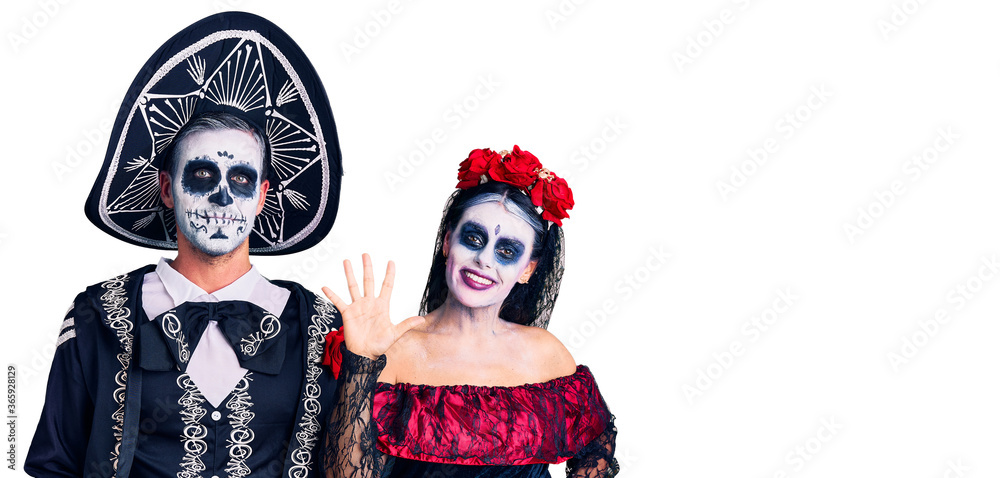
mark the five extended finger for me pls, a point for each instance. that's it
(335, 299)
(352, 283)
(390, 276)
(369, 275)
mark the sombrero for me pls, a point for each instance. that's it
(241, 64)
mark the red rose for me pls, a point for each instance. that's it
(524, 156)
(332, 356)
(517, 169)
(475, 166)
(554, 196)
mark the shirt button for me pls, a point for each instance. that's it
(215, 476)
(216, 416)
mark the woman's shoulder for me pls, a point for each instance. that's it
(408, 349)
(548, 352)
(534, 353)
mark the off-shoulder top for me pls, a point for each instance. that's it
(546, 422)
(467, 430)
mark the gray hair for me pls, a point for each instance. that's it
(215, 121)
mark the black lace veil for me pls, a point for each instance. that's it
(527, 304)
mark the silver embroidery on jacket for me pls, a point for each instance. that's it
(117, 317)
(269, 328)
(309, 426)
(194, 433)
(67, 330)
(172, 329)
(241, 434)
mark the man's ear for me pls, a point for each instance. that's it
(527, 272)
(264, 185)
(166, 194)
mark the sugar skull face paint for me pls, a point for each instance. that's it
(484, 265)
(216, 189)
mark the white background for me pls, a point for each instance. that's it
(691, 87)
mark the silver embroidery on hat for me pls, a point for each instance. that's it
(239, 82)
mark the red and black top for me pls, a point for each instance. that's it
(465, 431)
(546, 422)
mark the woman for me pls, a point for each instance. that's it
(475, 386)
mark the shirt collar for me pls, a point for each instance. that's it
(182, 290)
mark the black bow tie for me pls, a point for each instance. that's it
(256, 335)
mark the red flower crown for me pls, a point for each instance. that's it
(549, 193)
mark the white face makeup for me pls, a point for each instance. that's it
(216, 189)
(488, 252)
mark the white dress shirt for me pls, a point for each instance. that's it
(213, 367)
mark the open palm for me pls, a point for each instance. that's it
(368, 331)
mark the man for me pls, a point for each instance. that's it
(200, 366)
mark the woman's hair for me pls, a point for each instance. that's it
(527, 304)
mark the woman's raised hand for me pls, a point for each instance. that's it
(367, 329)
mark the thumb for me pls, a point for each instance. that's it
(408, 324)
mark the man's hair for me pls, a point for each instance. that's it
(215, 121)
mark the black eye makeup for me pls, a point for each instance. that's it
(508, 251)
(242, 180)
(473, 236)
(200, 176)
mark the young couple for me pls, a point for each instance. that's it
(224, 147)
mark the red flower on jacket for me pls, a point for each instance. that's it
(332, 357)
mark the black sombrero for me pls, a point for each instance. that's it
(237, 63)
